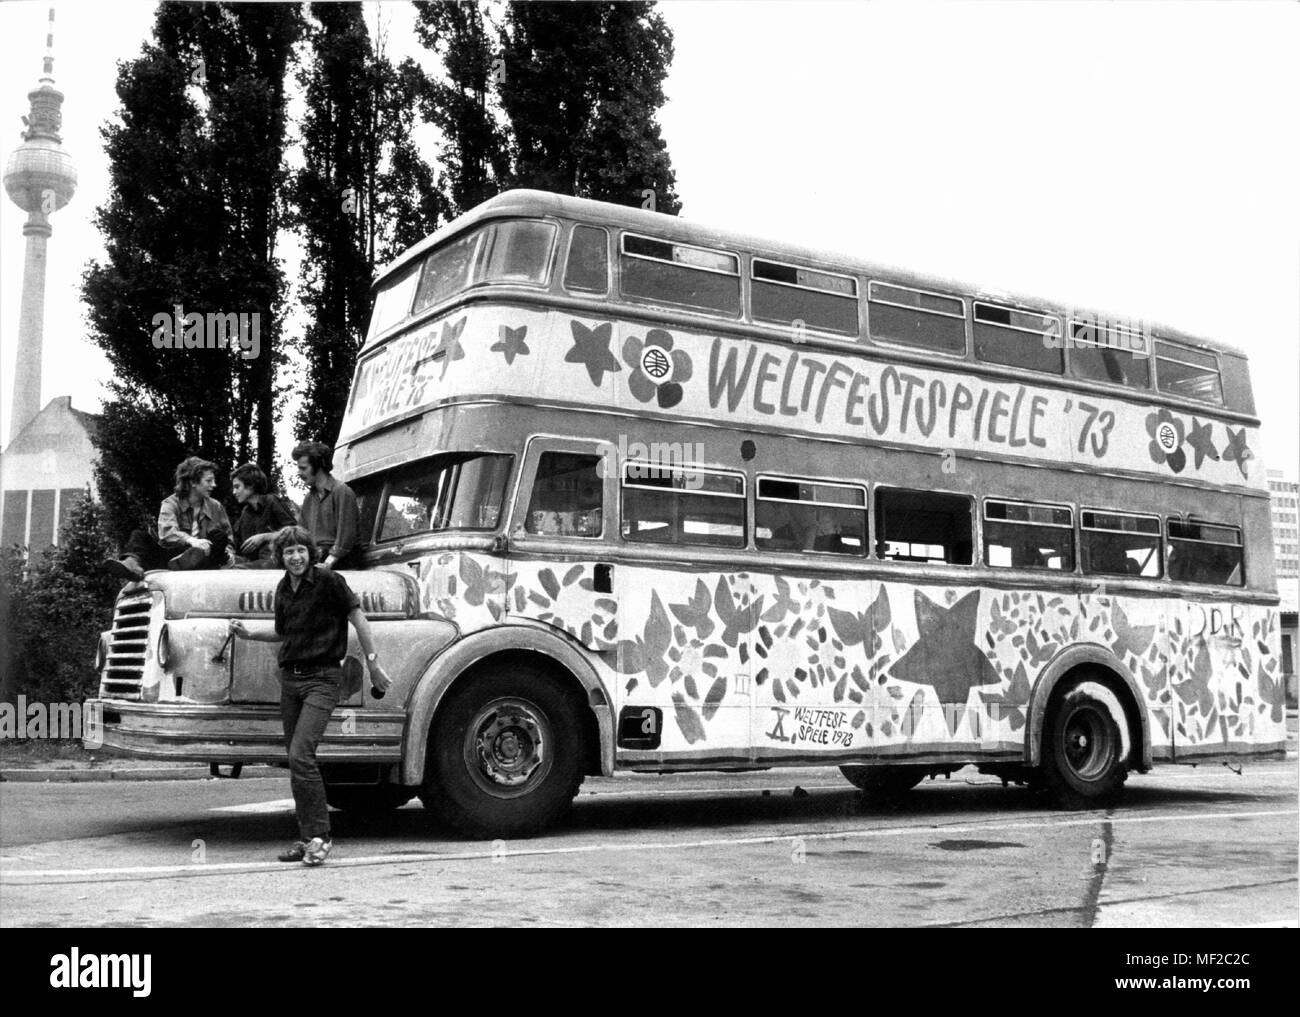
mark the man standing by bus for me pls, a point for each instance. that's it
(313, 607)
(329, 511)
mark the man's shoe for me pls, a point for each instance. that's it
(318, 850)
(295, 853)
(126, 569)
(190, 558)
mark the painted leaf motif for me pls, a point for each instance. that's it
(688, 721)
(549, 583)
(695, 612)
(472, 576)
(713, 699)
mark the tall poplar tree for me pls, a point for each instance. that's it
(196, 200)
(581, 87)
(362, 195)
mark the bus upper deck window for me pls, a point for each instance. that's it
(1183, 371)
(1110, 352)
(788, 293)
(588, 267)
(446, 271)
(1028, 339)
(517, 251)
(931, 321)
(668, 273)
(393, 302)
(1119, 544)
(1205, 553)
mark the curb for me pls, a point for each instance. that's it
(71, 776)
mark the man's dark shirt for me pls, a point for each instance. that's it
(268, 517)
(331, 518)
(314, 620)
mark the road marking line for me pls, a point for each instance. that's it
(278, 805)
(203, 869)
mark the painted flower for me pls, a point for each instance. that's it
(658, 370)
(1166, 446)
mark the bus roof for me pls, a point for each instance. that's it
(531, 203)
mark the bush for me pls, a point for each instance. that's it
(56, 607)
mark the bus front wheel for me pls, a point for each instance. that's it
(505, 753)
(884, 783)
(1086, 762)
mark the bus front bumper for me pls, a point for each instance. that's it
(236, 733)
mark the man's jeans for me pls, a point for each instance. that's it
(305, 707)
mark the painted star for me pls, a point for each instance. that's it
(511, 343)
(1236, 451)
(449, 347)
(591, 349)
(1199, 439)
(944, 655)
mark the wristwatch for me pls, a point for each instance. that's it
(371, 658)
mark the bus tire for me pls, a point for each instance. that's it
(1086, 761)
(884, 783)
(367, 800)
(505, 754)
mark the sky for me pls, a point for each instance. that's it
(1140, 158)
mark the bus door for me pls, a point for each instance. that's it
(562, 532)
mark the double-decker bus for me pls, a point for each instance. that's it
(642, 495)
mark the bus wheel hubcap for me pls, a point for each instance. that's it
(1088, 743)
(507, 747)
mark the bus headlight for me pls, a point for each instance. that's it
(164, 646)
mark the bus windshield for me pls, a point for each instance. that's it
(455, 491)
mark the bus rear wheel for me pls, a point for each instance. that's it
(505, 754)
(1086, 763)
(884, 783)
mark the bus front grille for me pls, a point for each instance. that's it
(123, 672)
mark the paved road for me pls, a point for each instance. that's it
(1203, 847)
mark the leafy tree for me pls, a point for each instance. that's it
(474, 153)
(362, 195)
(57, 608)
(583, 84)
(196, 199)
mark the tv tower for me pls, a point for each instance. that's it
(41, 179)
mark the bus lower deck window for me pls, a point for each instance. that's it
(668, 505)
(1202, 552)
(1120, 544)
(923, 526)
(567, 496)
(1021, 535)
(807, 515)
